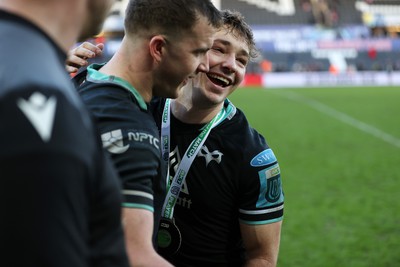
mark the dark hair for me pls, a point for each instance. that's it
(168, 16)
(238, 27)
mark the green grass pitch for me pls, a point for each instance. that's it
(339, 152)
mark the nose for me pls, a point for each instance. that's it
(204, 65)
(230, 63)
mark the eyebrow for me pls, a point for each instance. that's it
(202, 50)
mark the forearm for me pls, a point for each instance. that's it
(147, 260)
(138, 226)
(262, 244)
(260, 262)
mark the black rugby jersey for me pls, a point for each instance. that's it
(59, 195)
(234, 178)
(130, 135)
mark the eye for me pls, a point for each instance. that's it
(201, 52)
(217, 49)
(242, 61)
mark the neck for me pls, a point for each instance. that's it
(132, 66)
(190, 112)
(61, 20)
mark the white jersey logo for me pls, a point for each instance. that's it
(113, 142)
(40, 112)
(210, 156)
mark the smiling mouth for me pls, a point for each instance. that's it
(218, 80)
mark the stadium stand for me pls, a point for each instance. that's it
(307, 36)
(323, 36)
(257, 13)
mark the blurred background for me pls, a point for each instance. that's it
(309, 42)
(325, 94)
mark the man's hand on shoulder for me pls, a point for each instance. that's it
(78, 56)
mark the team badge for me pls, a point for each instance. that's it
(210, 156)
(270, 186)
(273, 189)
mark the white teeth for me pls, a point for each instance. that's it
(222, 79)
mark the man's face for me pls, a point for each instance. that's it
(228, 59)
(184, 58)
(97, 11)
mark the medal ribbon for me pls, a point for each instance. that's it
(190, 154)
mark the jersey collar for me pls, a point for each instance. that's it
(94, 75)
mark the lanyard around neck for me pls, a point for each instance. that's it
(180, 175)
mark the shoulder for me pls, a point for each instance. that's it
(38, 61)
(246, 145)
(112, 100)
(238, 131)
(45, 122)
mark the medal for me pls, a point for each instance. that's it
(169, 237)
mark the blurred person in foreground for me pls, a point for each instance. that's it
(225, 202)
(165, 45)
(59, 195)
(228, 210)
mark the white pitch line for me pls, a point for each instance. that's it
(345, 118)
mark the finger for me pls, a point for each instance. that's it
(71, 69)
(76, 61)
(100, 46)
(87, 47)
(83, 52)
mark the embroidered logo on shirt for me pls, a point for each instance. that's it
(113, 142)
(272, 175)
(270, 186)
(40, 112)
(272, 171)
(265, 157)
(210, 156)
(273, 189)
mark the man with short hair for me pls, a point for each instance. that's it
(164, 47)
(225, 202)
(224, 206)
(59, 194)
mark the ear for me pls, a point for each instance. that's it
(156, 45)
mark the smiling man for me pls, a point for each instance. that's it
(165, 44)
(224, 206)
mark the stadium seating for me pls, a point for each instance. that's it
(258, 14)
(293, 40)
(293, 37)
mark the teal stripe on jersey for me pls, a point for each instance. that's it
(137, 206)
(261, 222)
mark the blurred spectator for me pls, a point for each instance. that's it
(372, 53)
(323, 12)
